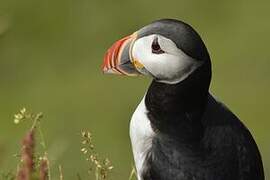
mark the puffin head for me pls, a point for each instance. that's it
(167, 50)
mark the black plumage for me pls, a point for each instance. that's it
(207, 142)
(196, 137)
(180, 131)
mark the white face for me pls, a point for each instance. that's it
(162, 59)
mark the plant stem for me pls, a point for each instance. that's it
(132, 173)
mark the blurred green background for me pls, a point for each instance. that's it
(50, 57)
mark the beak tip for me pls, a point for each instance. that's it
(104, 68)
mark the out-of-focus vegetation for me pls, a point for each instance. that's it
(34, 166)
(50, 56)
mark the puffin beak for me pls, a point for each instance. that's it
(118, 59)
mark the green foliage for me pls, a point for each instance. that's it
(35, 167)
(102, 166)
(7, 176)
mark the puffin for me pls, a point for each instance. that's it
(180, 131)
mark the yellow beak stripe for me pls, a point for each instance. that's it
(137, 64)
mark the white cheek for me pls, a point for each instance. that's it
(141, 50)
(171, 67)
(167, 67)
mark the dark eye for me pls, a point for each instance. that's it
(156, 49)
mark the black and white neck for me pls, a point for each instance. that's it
(175, 109)
(170, 112)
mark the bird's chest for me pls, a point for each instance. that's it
(141, 135)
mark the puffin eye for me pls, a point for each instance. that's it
(156, 49)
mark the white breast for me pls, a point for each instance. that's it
(141, 135)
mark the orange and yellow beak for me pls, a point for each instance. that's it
(118, 59)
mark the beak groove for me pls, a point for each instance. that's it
(118, 58)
